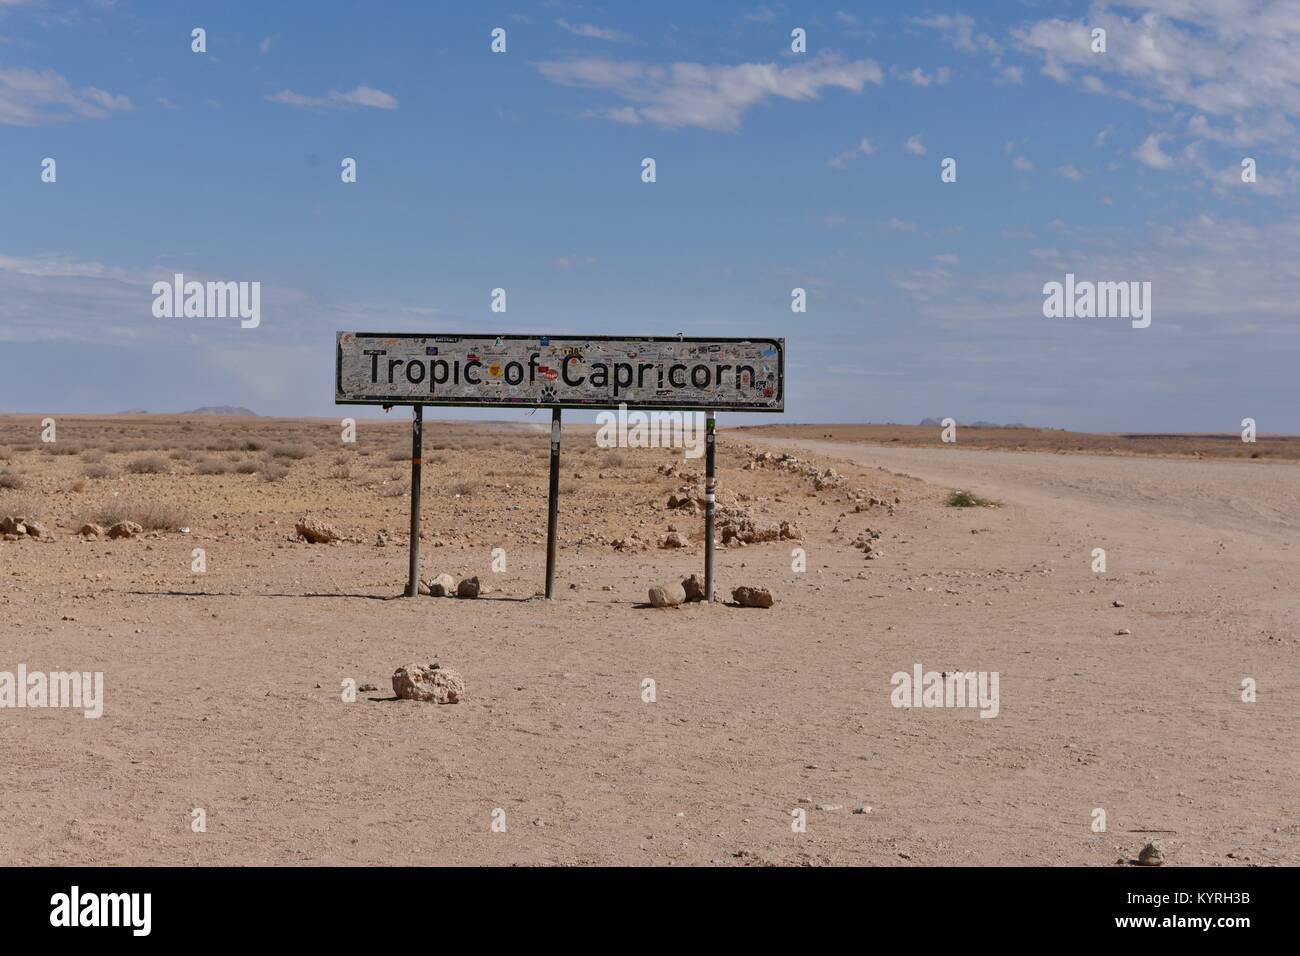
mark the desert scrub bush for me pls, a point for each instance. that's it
(63, 448)
(343, 470)
(148, 465)
(97, 471)
(12, 481)
(294, 452)
(464, 488)
(246, 468)
(78, 485)
(393, 491)
(967, 499)
(210, 466)
(399, 455)
(92, 456)
(273, 472)
(150, 515)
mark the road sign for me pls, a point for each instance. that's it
(560, 371)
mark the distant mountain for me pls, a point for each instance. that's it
(221, 410)
(938, 422)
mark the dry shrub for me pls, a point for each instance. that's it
(393, 491)
(149, 465)
(12, 481)
(341, 471)
(97, 471)
(274, 472)
(246, 468)
(150, 515)
(210, 466)
(464, 488)
(295, 452)
(78, 485)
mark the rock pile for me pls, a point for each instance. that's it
(16, 527)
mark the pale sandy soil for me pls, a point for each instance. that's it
(223, 688)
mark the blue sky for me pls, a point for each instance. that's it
(775, 170)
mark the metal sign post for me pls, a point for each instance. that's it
(710, 501)
(553, 507)
(644, 372)
(417, 444)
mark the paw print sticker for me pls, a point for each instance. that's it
(548, 394)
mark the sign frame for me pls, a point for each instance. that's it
(692, 405)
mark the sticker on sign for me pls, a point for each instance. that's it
(567, 371)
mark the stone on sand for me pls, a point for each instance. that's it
(670, 595)
(693, 587)
(468, 588)
(315, 531)
(428, 682)
(125, 529)
(1153, 854)
(753, 597)
(444, 585)
(673, 539)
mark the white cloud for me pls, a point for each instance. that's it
(593, 32)
(1022, 164)
(357, 96)
(1230, 59)
(914, 145)
(1150, 153)
(265, 45)
(918, 76)
(710, 96)
(38, 97)
(959, 31)
(1069, 172)
(1013, 74)
(864, 148)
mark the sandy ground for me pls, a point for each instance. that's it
(223, 688)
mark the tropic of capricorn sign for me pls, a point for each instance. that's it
(559, 371)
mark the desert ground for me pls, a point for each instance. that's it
(1119, 690)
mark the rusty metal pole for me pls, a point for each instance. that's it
(417, 445)
(553, 507)
(710, 502)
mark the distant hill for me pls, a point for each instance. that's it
(938, 422)
(221, 410)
